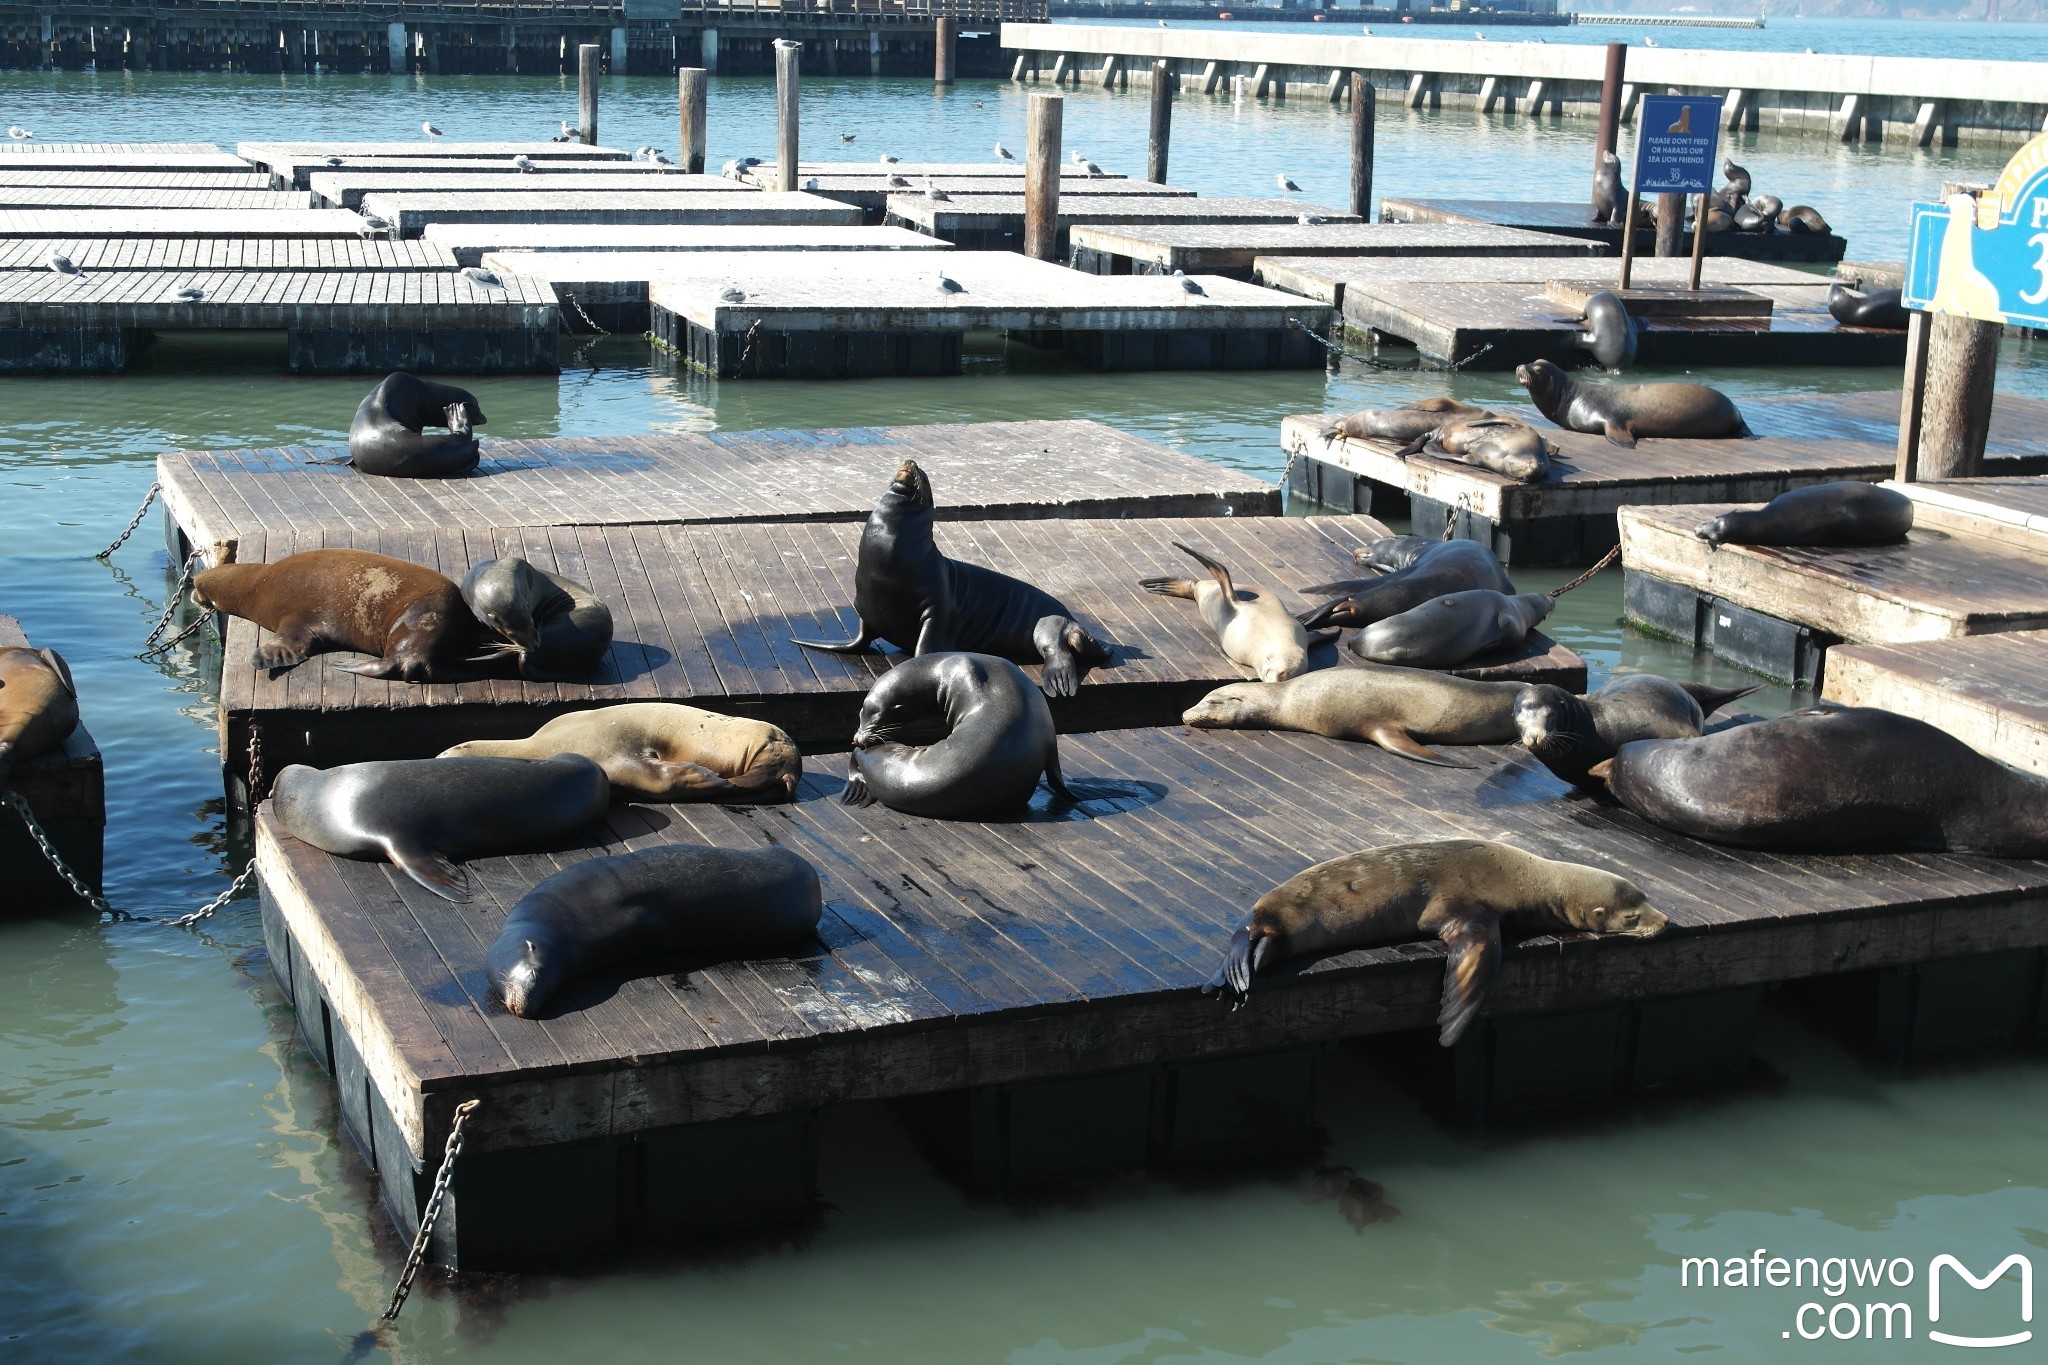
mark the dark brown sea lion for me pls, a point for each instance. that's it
(1441, 566)
(319, 601)
(1846, 512)
(1446, 631)
(1569, 734)
(1867, 308)
(1759, 214)
(1610, 196)
(664, 751)
(1610, 335)
(386, 438)
(1833, 780)
(1458, 890)
(552, 626)
(998, 739)
(1403, 710)
(1252, 628)
(38, 705)
(1626, 412)
(1391, 553)
(1404, 423)
(1737, 187)
(1500, 444)
(906, 592)
(1801, 218)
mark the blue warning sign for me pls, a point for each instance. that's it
(1676, 139)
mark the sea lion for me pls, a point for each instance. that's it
(908, 593)
(385, 437)
(651, 907)
(1403, 710)
(1867, 308)
(1458, 890)
(998, 738)
(1833, 780)
(664, 751)
(319, 601)
(1501, 444)
(1569, 734)
(420, 813)
(1610, 196)
(1720, 218)
(1759, 214)
(1801, 218)
(1442, 566)
(552, 626)
(1845, 512)
(1254, 630)
(1446, 631)
(1391, 553)
(1610, 334)
(1737, 188)
(1404, 423)
(1626, 412)
(38, 705)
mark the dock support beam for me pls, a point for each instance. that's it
(394, 47)
(1418, 89)
(1733, 106)
(1211, 73)
(1924, 123)
(788, 71)
(1849, 119)
(586, 93)
(1059, 70)
(691, 107)
(618, 52)
(708, 50)
(1042, 176)
(1364, 111)
(1912, 399)
(947, 35)
(1160, 135)
(1489, 94)
(1628, 105)
(1261, 75)
(1112, 65)
(1535, 99)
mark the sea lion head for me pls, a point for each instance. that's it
(1545, 719)
(1546, 382)
(1715, 532)
(527, 981)
(1280, 662)
(1602, 903)
(1237, 706)
(502, 594)
(911, 487)
(1389, 554)
(290, 790)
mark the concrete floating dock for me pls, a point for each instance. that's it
(249, 253)
(983, 471)
(273, 156)
(66, 790)
(471, 242)
(1575, 219)
(1230, 248)
(124, 198)
(1571, 519)
(903, 322)
(411, 212)
(1990, 691)
(212, 224)
(353, 322)
(346, 189)
(1328, 279)
(996, 222)
(297, 172)
(1049, 974)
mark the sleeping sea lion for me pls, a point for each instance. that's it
(1500, 444)
(998, 739)
(385, 438)
(38, 705)
(1391, 553)
(552, 626)
(1441, 566)
(1801, 218)
(1759, 214)
(1626, 412)
(1404, 423)
(1867, 308)
(1458, 890)
(1569, 734)
(1446, 631)
(664, 751)
(1403, 710)
(1845, 512)
(1254, 630)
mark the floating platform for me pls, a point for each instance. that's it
(1575, 219)
(1571, 518)
(472, 241)
(996, 222)
(210, 224)
(704, 614)
(897, 320)
(1040, 982)
(336, 321)
(66, 791)
(983, 471)
(149, 200)
(274, 155)
(297, 171)
(1327, 279)
(119, 156)
(764, 174)
(871, 193)
(347, 188)
(1989, 691)
(62, 177)
(1231, 248)
(242, 253)
(410, 212)
(1780, 610)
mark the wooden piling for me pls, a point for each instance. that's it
(1042, 176)
(1363, 113)
(586, 92)
(947, 38)
(1699, 243)
(1610, 104)
(1628, 235)
(788, 69)
(1162, 123)
(1912, 399)
(691, 89)
(1955, 417)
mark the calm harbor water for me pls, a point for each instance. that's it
(172, 1184)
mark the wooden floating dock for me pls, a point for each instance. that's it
(70, 178)
(871, 193)
(67, 792)
(119, 156)
(996, 222)
(1571, 519)
(1327, 279)
(336, 321)
(471, 242)
(1576, 220)
(1047, 974)
(1990, 691)
(212, 224)
(764, 174)
(704, 613)
(274, 156)
(346, 189)
(411, 212)
(1230, 248)
(149, 200)
(1780, 610)
(801, 324)
(983, 471)
(248, 253)
(297, 172)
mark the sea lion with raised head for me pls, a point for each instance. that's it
(421, 814)
(1610, 196)
(1250, 625)
(664, 751)
(1402, 710)
(1501, 444)
(1833, 780)
(1625, 413)
(38, 705)
(1439, 567)
(1803, 218)
(387, 436)
(1610, 333)
(1867, 308)
(1737, 187)
(552, 626)
(1446, 631)
(319, 601)
(907, 592)
(650, 908)
(1569, 734)
(1458, 890)
(1404, 423)
(997, 740)
(1846, 512)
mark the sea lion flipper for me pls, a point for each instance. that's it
(861, 643)
(1343, 587)
(430, 868)
(857, 792)
(1394, 739)
(1243, 958)
(1217, 570)
(1319, 638)
(693, 777)
(1474, 941)
(1625, 437)
(1168, 587)
(1053, 778)
(1602, 770)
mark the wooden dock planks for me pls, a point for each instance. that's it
(347, 188)
(288, 254)
(1327, 278)
(412, 211)
(125, 197)
(871, 194)
(1231, 248)
(996, 222)
(296, 170)
(275, 154)
(472, 241)
(62, 177)
(119, 156)
(764, 174)
(269, 300)
(1990, 691)
(1576, 218)
(214, 224)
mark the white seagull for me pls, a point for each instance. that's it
(888, 160)
(430, 130)
(1189, 285)
(933, 192)
(1091, 168)
(523, 162)
(1286, 186)
(1311, 220)
(476, 274)
(372, 225)
(1003, 153)
(18, 133)
(63, 264)
(848, 137)
(897, 182)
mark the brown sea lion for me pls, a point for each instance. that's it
(1250, 625)
(1438, 567)
(1626, 412)
(664, 751)
(1458, 890)
(1446, 631)
(1801, 218)
(38, 705)
(1403, 710)
(1610, 196)
(1404, 423)
(320, 601)
(1844, 512)
(1500, 444)
(1570, 734)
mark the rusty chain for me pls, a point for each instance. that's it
(147, 502)
(56, 859)
(1605, 560)
(431, 1212)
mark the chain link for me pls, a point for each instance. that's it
(147, 502)
(56, 859)
(255, 777)
(428, 1215)
(218, 903)
(590, 321)
(163, 622)
(747, 351)
(1605, 560)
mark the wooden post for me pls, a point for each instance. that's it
(788, 68)
(1363, 113)
(1042, 176)
(1670, 223)
(586, 91)
(1699, 243)
(1628, 235)
(1162, 123)
(942, 50)
(1955, 417)
(1610, 104)
(692, 89)
(1907, 468)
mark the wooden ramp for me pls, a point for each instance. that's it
(1571, 518)
(1328, 278)
(296, 171)
(996, 222)
(124, 198)
(289, 254)
(1576, 219)
(1003, 960)
(1990, 691)
(210, 224)
(471, 242)
(1231, 248)
(347, 188)
(273, 155)
(983, 471)
(412, 211)
(66, 792)
(704, 613)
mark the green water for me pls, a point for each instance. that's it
(172, 1184)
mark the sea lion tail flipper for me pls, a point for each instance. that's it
(1168, 587)
(859, 644)
(330, 459)
(1417, 446)
(1315, 618)
(1319, 638)
(1243, 958)
(1395, 740)
(1619, 433)
(1053, 777)
(432, 869)
(1712, 699)
(1602, 770)
(857, 792)
(1474, 941)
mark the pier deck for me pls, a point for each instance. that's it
(297, 171)
(347, 188)
(1329, 279)
(764, 174)
(1990, 691)
(996, 222)
(32, 197)
(1571, 519)
(119, 156)
(871, 193)
(247, 253)
(1231, 248)
(64, 177)
(412, 211)
(276, 155)
(211, 224)
(1575, 218)
(472, 241)
(66, 791)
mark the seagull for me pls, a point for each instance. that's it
(1162, 23)
(18, 133)
(732, 293)
(660, 159)
(1077, 158)
(334, 161)
(63, 264)
(372, 225)
(476, 274)
(811, 183)
(192, 293)
(1650, 42)
(1003, 153)
(1189, 285)
(747, 163)
(897, 182)
(1091, 168)
(567, 134)
(978, 104)
(888, 160)
(1477, 34)
(523, 162)
(730, 170)
(430, 130)
(641, 153)
(933, 192)
(1311, 220)
(949, 285)
(1286, 186)
(1367, 30)
(848, 137)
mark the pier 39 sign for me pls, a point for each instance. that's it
(1675, 140)
(1985, 256)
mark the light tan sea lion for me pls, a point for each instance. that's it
(1255, 631)
(38, 705)
(664, 751)
(1500, 444)
(1400, 709)
(1458, 890)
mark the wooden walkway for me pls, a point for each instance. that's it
(1571, 519)
(1575, 218)
(119, 156)
(413, 211)
(764, 174)
(1231, 248)
(249, 253)
(347, 188)
(703, 613)
(996, 222)
(61, 177)
(274, 155)
(150, 200)
(871, 193)
(211, 224)
(1327, 279)
(67, 792)
(472, 241)
(297, 171)
(1990, 691)
(983, 471)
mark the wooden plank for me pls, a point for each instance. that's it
(1231, 248)
(1990, 691)
(412, 211)
(288, 254)
(346, 189)
(167, 223)
(1575, 217)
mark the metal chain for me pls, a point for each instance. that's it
(255, 778)
(589, 320)
(218, 903)
(140, 512)
(1605, 560)
(432, 1211)
(163, 622)
(56, 859)
(747, 350)
(191, 628)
